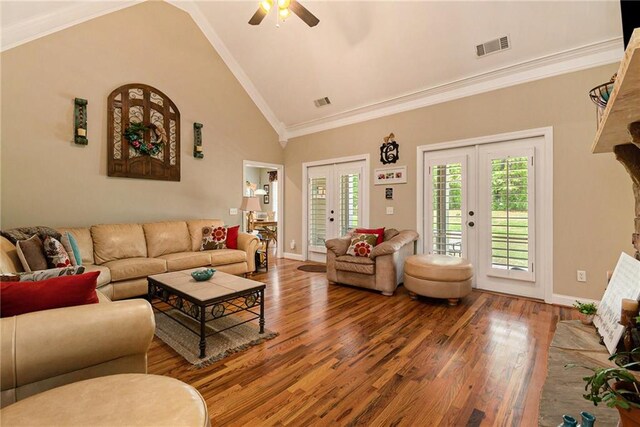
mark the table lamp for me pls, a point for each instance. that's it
(250, 204)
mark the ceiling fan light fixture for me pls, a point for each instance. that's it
(266, 5)
(284, 13)
(284, 4)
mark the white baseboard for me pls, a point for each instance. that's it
(568, 301)
(295, 257)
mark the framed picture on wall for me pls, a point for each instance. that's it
(396, 175)
(265, 199)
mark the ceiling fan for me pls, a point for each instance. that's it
(285, 7)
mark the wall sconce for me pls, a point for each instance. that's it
(197, 141)
(80, 121)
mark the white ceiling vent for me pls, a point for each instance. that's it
(493, 46)
(322, 102)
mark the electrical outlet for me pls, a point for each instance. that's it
(581, 276)
(389, 210)
(292, 245)
(233, 211)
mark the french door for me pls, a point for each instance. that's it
(480, 204)
(335, 199)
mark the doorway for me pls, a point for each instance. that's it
(336, 200)
(490, 201)
(265, 182)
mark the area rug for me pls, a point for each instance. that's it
(219, 346)
(313, 268)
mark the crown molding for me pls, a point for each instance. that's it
(35, 28)
(584, 57)
(201, 21)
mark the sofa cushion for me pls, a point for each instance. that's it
(166, 238)
(195, 230)
(214, 238)
(65, 291)
(133, 268)
(84, 241)
(362, 244)
(105, 274)
(40, 275)
(9, 260)
(57, 256)
(118, 241)
(186, 260)
(356, 264)
(226, 256)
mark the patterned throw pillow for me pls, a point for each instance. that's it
(57, 256)
(36, 276)
(214, 238)
(362, 244)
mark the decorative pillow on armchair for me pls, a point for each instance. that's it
(362, 244)
(214, 238)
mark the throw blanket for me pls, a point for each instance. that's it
(23, 233)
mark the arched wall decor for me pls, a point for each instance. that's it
(158, 121)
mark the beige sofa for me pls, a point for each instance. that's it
(46, 349)
(125, 254)
(383, 271)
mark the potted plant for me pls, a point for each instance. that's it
(617, 387)
(588, 310)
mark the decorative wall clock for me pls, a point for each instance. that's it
(143, 134)
(389, 150)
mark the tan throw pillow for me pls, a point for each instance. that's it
(31, 254)
(214, 238)
(66, 243)
(362, 244)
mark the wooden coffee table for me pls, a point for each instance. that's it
(220, 296)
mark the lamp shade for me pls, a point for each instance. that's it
(250, 204)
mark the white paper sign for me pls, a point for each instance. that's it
(625, 283)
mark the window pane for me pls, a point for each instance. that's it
(447, 209)
(349, 203)
(318, 211)
(510, 213)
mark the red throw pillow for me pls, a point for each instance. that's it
(232, 237)
(65, 291)
(377, 231)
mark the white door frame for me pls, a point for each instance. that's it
(545, 239)
(280, 169)
(305, 190)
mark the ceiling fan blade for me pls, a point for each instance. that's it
(257, 17)
(304, 14)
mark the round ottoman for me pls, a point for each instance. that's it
(114, 400)
(438, 276)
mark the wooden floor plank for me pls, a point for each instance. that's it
(348, 356)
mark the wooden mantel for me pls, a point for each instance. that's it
(619, 129)
(624, 104)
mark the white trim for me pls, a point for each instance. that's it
(545, 261)
(295, 257)
(201, 21)
(568, 301)
(571, 60)
(40, 26)
(305, 189)
(280, 169)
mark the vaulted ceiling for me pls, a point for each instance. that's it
(372, 58)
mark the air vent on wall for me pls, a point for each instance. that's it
(322, 102)
(493, 46)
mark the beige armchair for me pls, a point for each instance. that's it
(383, 271)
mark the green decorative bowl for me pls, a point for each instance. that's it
(202, 275)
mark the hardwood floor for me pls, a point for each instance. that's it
(348, 356)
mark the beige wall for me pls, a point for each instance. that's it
(48, 180)
(593, 203)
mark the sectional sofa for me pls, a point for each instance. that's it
(125, 254)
